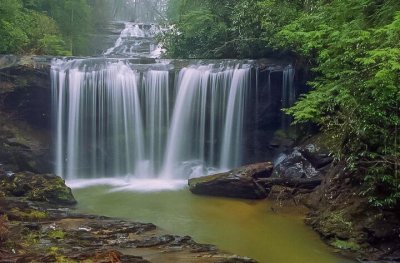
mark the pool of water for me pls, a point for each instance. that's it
(247, 228)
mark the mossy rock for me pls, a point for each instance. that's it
(57, 234)
(28, 215)
(345, 244)
(38, 187)
(337, 224)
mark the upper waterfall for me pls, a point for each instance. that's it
(137, 40)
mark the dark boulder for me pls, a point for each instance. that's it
(238, 183)
(294, 165)
(301, 168)
(317, 157)
(37, 187)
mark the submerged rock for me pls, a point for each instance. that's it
(237, 183)
(37, 187)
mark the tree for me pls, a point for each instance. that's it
(25, 31)
(214, 29)
(356, 97)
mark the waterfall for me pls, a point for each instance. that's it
(207, 125)
(136, 39)
(156, 97)
(118, 119)
(99, 119)
(288, 94)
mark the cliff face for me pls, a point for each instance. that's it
(25, 117)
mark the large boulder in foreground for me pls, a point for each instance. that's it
(37, 187)
(238, 183)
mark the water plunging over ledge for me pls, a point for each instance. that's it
(128, 115)
(138, 125)
(116, 119)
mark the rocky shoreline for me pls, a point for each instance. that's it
(38, 224)
(307, 176)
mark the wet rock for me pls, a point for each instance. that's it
(317, 157)
(154, 241)
(238, 183)
(25, 101)
(281, 193)
(37, 187)
(294, 165)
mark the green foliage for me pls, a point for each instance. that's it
(355, 46)
(48, 26)
(214, 29)
(23, 29)
(51, 44)
(73, 18)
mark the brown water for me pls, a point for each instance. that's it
(247, 228)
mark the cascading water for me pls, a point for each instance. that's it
(136, 39)
(207, 124)
(115, 118)
(288, 94)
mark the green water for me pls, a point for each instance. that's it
(248, 228)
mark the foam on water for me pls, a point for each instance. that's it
(129, 184)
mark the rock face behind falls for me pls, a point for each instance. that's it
(237, 183)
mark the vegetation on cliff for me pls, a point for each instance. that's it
(47, 26)
(353, 47)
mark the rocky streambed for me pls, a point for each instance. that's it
(307, 176)
(38, 223)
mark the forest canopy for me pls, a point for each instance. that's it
(353, 47)
(48, 26)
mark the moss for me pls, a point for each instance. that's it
(30, 240)
(280, 134)
(337, 223)
(345, 244)
(29, 215)
(338, 219)
(64, 259)
(57, 234)
(55, 251)
(40, 187)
